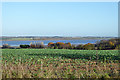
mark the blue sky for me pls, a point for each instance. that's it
(60, 19)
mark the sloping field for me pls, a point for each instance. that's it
(59, 63)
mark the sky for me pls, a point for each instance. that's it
(60, 19)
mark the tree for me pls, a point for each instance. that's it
(89, 46)
(51, 45)
(79, 46)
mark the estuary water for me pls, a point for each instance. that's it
(75, 42)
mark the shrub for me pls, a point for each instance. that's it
(51, 45)
(117, 47)
(55, 47)
(5, 46)
(24, 46)
(69, 43)
(67, 46)
(79, 47)
(73, 47)
(111, 43)
(32, 46)
(37, 45)
(105, 45)
(60, 45)
(89, 46)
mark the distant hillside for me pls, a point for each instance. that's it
(12, 38)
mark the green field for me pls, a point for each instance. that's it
(59, 63)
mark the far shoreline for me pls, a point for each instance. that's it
(58, 39)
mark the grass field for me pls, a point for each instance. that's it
(60, 63)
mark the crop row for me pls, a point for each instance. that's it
(59, 63)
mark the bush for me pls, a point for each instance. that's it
(73, 47)
(37, 45)
(69, 43)
(32, 46)
(105, 45)
(79, 47)
(24, 46)
(60, 45)
(55, 47)
(67, 46)
(5, 46)
(117, 47)
(89, 46)
(51, 45)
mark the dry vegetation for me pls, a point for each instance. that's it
(51, 63)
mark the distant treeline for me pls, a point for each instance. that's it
(101, 45)
(13, 38)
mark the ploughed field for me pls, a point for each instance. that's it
(60, 63)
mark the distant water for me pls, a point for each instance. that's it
(76, 42)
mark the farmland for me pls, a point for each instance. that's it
(59, 63)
